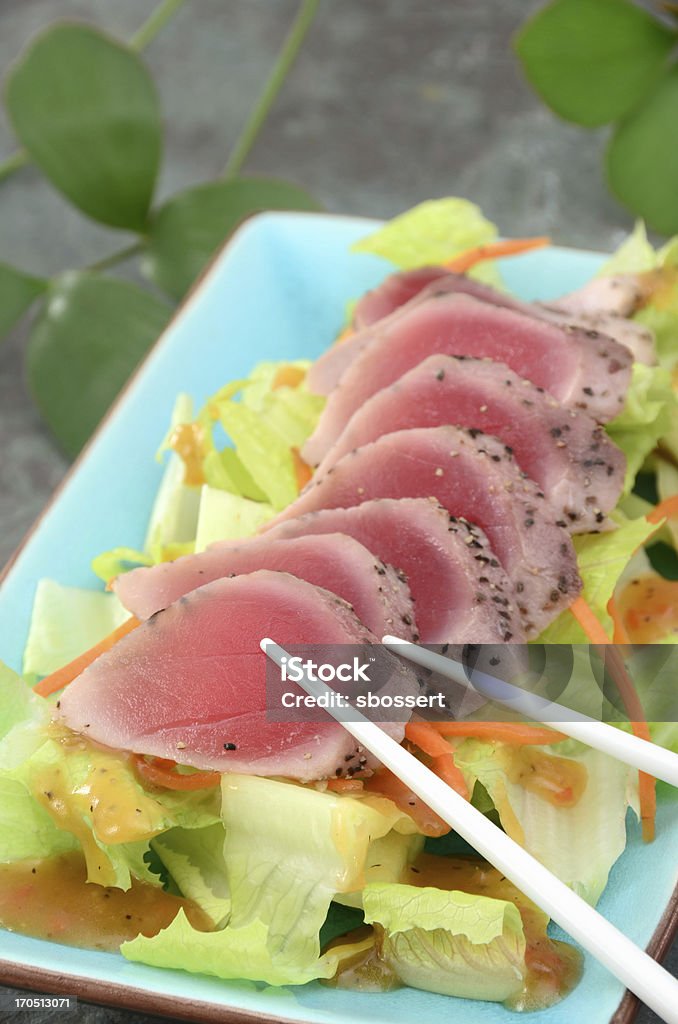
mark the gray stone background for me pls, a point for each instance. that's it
(390, 103)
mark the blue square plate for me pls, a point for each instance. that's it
(278, 290)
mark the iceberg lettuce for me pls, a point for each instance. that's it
(454, 943)
(579, 843)
(430, 233)
(282, 879)
(65, 622)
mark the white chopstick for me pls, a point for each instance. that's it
(628, 962)
(632, 750)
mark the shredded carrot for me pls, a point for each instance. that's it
(160, 772)
(432, 743)
(589, 622)
(302, 469)
(516, 733)
(65, 675)
(620, 635)
(511, 247)
(385, 783)
(345, 785)
(613, 659)
(666, 509)
(288, 377)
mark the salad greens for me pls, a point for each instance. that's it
(267, 885)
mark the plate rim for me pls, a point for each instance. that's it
(130, 997)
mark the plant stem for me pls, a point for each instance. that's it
(286, 58)
(118, 257)
(13, 163)
(154, 23)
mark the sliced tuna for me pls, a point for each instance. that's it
(617, 294)
(571, 458)
(461, 593)
(190, 683)
(474, 476)
(405, 287)
(587, 374)
(379, 597)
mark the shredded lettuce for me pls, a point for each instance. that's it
(226, 516)
(646, 417)
(602, 558)
(65, 622)
(454, 943)
(282, 880)
(580, 843)
(430, 233)
(194, 859)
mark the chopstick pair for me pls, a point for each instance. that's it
(622, 957)
(646, 757)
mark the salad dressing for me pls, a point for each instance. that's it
(553, 968)
(648, 607)
(51, 899)
(559, 780)
(187, 440)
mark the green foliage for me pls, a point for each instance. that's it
(188, 228)
(597, 62)
(642, 158)
(17, 292)
(85, 110)
(91, 334)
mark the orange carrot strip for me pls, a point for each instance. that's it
(620, 635)
(65, 675)
(614, 660)
(447, 770)
(302, 470)
(427, 738)
(509, 247)
(160, 772)
(431, 742)
(345, 785)
(666, 509)
(288, 377)
(505, 732)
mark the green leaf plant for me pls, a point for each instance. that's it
(614, 62)
(86, 113)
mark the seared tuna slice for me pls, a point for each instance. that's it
(571, 458)
(587, 374)
(190, 683)
(451, 571)
(419, 285)
(474, 476)
(617, 294)
(379, 597)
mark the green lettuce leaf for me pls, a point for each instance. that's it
(195, 861)
(602, 558)
(635, 254)
(226, 516)
(580, 843)
(431, 233)
(65, 622)
(645, 419)
(455, 943)
(282, 879)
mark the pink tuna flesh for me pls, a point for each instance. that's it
(571, 458)
(461, 593)
(379, 597)
(190, 683)
(582, 373)
(473, 476)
